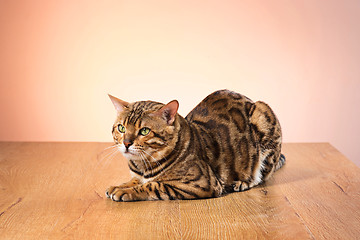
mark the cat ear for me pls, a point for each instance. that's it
(168, 112)
(119, 104)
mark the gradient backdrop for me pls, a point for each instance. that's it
(59, 59)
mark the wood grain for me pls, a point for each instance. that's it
(56, 191)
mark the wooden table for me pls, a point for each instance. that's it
(56, 191)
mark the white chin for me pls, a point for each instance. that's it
(130, 156)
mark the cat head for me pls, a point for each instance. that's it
(145, 129)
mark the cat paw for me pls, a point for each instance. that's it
(241, 186)
(118, 194)
(109, 191)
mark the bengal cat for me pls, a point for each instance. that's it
(226, 143)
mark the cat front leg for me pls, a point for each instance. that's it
(163, 191)
(147, 191)
(186, 181)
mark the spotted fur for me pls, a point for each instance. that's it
(226, 143)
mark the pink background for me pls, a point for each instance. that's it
(59, 59)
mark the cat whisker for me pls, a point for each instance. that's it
(147, 163)
(143, 158)
(109, 158)
(112, 146)
(157, 162)
(108, 154)
(162, 157)
(105, 152)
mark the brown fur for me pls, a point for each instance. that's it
(226, 143)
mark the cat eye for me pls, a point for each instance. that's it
(144, 131)
(121, 128)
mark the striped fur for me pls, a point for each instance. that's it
(226, 143)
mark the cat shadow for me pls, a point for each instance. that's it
(286, 176)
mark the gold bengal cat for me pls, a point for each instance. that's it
(226, 143)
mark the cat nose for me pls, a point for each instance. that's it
(127, 143)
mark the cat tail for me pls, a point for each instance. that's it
(281, 162)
